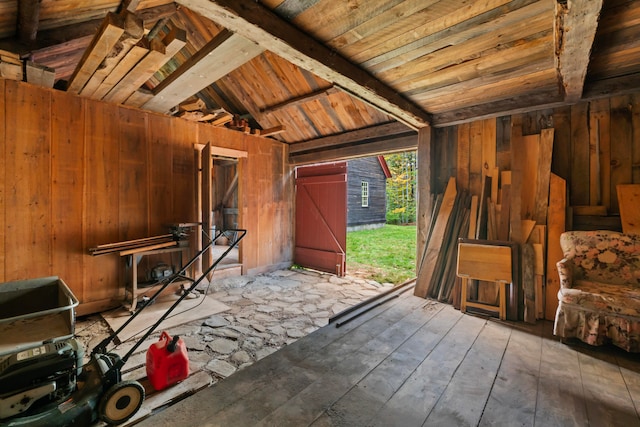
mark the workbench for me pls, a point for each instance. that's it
(132, 289)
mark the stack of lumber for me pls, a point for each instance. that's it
(14, 68)
(516, 205)
(130, 247)
(196, 110)
(242, 125)
(449, 221)
(10, 66)
(120, 59)
(513, 206)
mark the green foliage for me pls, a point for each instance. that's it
(401, 188)
(386, 254)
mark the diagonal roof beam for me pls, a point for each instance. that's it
(223, 54)
(300, 100)
(257, 23)
(575, 29)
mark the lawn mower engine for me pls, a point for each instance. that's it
(36, 377)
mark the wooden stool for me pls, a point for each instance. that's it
(486, 262)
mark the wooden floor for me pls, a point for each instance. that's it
(413, 362)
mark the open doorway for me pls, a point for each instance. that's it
(225, 206)
(342, 217)
(219, 206)
(381, 228)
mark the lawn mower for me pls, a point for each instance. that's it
(48, 385)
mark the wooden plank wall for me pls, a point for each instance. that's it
(596, 146)
(77, 173)
(612, 125)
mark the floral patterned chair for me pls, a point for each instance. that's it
(599, 297)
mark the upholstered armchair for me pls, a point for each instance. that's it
(599, 297)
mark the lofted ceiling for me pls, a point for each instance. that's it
(321, 74)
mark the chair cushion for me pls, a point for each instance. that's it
(596, 296)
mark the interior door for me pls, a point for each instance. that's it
(321, 217)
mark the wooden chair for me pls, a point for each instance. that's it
(489, 263)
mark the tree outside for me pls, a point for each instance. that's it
(401, 188)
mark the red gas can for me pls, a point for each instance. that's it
(167, 361)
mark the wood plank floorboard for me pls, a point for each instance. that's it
(258, 387)
(561, 402)
(413, 402)
(360, 404)
(513, 398)
(350, 358)
(629, 368)
(608, 400)
(416, 362)
(473, 379)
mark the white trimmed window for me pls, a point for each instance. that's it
(364, 186)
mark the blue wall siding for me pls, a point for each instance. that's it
(366, 169)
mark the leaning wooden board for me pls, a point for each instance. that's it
(629, 202)
(528, 282)
(432, 250)
(556, 219)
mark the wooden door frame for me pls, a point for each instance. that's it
(215, 151)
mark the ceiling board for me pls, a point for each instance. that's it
(257, 24)
(415, 60)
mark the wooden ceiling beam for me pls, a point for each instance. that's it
(386, 131)
(28, 20)
(575, 29)
(294, 102)
(622, 85)
(257, 23)
(521, 104)
(223, 54)
(393, 145)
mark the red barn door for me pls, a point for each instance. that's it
(321, 217)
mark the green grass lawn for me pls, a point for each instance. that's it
(386, 254)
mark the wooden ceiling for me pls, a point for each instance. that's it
(335, 73)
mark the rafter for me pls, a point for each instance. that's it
(223, 54)
(575, 28)
(259, 24)
(300, 100)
